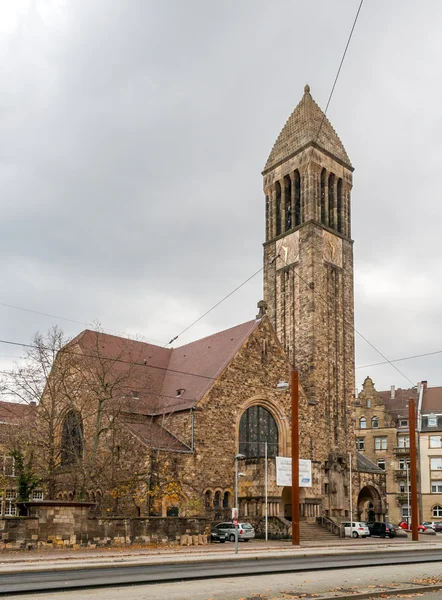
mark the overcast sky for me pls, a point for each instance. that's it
(133, 135)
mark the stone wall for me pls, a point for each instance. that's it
(64, 524)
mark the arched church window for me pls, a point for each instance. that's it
(278, 207)
(375, 422)
(340, 215)
(72, 440)
(217, 500)
(297, 208)
(362, 423)
(331, 201)
(437, 511)
(226, 500)
(323, 186)
(208, 499)
(257, 426)
(288, 202)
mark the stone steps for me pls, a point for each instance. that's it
(312, 531)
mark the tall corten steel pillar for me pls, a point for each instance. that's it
(294, 391)
(413, 470)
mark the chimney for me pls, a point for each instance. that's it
(393, 392)
(356, 395)
(425, 383)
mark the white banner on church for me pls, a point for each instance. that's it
(284, 472)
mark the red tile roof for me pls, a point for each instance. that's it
(13, 412)
(158, 373)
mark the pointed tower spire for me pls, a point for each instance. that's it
(307, 126)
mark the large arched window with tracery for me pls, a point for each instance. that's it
(256, 427)
(72, 440)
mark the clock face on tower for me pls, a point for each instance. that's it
(287, 250)
(332, 249)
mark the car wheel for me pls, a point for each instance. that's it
(247, 540)
(354, 534)
(222, 541)
(232, 537)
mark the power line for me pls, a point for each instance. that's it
(400, 359)
(336, 78)
(292, 268)
(217, 304)
(44, 314)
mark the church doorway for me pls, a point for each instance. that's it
(370, 505)
(286, 501)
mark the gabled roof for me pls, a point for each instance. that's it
(14, 412)
(365, 465)
(158, 373)
(301, 130)
(206, 358)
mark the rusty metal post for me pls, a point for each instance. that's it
(294, 389)
(413, 470)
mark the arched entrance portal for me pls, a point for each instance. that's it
(370, 504)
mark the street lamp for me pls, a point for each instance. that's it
(237, 475)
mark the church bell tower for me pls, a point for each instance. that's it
(308, 273)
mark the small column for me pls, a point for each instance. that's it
(273, 212)
(283, 204)
(326, 203)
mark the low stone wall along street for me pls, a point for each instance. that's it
(69, 524)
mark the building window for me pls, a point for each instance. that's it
(381, 463)
(380, 443)
(324, 215)
(436, 487)
(432, 422)
(8, 463)
(257, 426)
(436, 464)
(72, 439)
(217, 500)
(403, 441)
(10, 509)
(402, 487)
(375, 422)
(435, 441)
(360, 443)
(208, 499)
(362, 423)
(226, 500)
(437, 511)
(405, 509)
(368, 402)
(403, 423)
(404, 463)
(37, 495)
(288, 202)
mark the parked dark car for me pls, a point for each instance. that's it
(382, 529)
(217, 535)
(437, 527)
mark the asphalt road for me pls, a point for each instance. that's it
(336, 584)
(75, 578)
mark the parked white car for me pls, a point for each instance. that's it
(356, 529)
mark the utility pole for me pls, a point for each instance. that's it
(294, 389)
(413, 470)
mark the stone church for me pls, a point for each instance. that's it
(210, 400)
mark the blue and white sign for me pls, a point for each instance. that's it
(284, 472)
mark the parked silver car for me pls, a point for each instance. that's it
(245, 531)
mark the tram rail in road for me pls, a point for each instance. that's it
(45, 580)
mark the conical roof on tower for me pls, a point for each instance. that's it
(301, 130)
